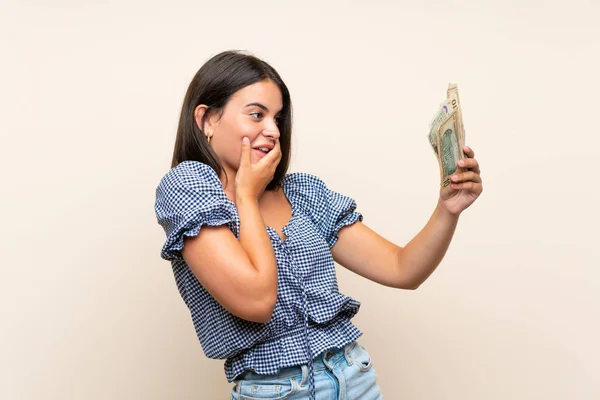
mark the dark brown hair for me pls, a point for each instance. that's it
(213, 85)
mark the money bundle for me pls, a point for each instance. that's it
(447, 135)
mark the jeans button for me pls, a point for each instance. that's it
(328, 355)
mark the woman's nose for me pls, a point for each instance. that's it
(272, 132)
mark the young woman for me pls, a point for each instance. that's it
(253, 248)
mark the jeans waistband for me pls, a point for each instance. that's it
(320, 362)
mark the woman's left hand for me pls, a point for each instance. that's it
(465, 187)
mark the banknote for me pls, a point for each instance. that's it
(446, 135)
(452, 98)
(442, 114)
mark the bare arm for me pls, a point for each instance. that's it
(366, 253)
(240, 275)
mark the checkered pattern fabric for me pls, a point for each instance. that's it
(310, 315)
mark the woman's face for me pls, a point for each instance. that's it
(251, 112)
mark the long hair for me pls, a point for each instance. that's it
(213, 85)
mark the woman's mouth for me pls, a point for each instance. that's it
(262, 151)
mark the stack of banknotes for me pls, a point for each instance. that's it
(447, 135)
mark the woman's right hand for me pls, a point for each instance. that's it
(251, 180)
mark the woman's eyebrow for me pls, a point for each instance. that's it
(257, 105)
(265, 108)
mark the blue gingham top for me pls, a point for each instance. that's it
(310, 315)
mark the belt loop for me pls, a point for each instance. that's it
(347, 353)
(304, 375)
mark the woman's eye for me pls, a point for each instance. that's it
(256, 115)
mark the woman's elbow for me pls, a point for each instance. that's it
(407, 284)
(263, 314)
(259, 311)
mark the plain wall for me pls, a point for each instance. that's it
(89, 99)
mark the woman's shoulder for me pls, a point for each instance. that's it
(306, 190)
(193, 175)
(303, 182)
(329, 209)
(190, 189)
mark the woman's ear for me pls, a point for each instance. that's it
(199, 113)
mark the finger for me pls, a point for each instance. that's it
(473, 187)
(274, 155)
(468, 152)
(279, 153)
(469, 163)
(466, 177)
(245, 156)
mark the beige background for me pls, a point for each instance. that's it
(89, 99)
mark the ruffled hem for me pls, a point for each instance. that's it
(217, 214)
(288, 350)
(336, 303)
(349, 219)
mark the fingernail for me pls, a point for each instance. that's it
(461, 162)
(245, 140)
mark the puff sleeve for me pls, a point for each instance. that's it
(329, 210)
(340, 211)
(188, 197)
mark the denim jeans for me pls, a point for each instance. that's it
(340, 374)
